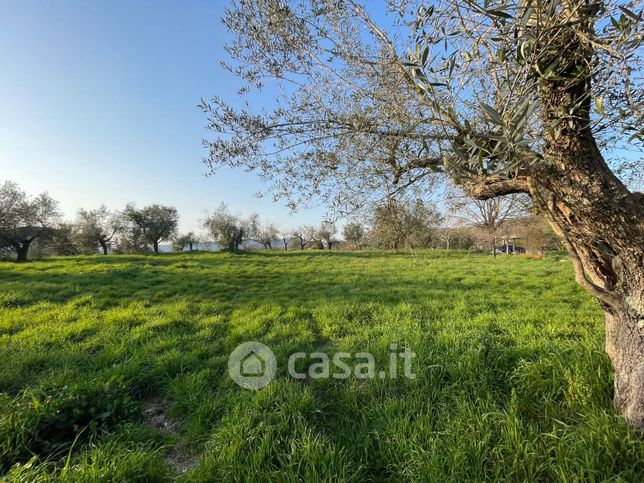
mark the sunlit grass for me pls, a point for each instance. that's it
(512, 382)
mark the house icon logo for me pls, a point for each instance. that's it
(252, 365)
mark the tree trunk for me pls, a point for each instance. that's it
(156, 246)
(625, 347)
(599, 220)
(21, 251)
(602, 225)
(602, 228)
(103, 246)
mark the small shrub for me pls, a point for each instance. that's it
(40, 422)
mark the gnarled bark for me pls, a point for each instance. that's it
(610, 266)
(600, 221)
(487, 187)
(602, 224)
(625, 347)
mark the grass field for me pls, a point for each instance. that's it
(115, 369)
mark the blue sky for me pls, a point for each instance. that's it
(98, 105)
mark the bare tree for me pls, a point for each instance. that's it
(286, 236)
(152, 224)
(305, 235)
(452, 236)
(490, 215)
(24, 219)
(96, 228)
(446, 235)
(449, 229)
(503, 97)
(265, 234)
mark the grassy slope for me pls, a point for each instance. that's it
(512, 380)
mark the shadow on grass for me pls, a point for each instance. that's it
(248, 278)
(504, 382)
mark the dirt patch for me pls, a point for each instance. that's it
(179, 458)
(154, 412)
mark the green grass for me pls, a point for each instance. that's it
(512, 382)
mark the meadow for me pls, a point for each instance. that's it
(114, 368)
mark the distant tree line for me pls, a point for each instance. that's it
(33, 225)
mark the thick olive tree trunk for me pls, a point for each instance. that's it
(600, 221)
(602, 224)
(625, 347)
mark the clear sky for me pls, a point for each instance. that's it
(98, 105)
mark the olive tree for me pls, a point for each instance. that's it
(58, 241)
(397, 225)
(25, 218)
(96, 228)
(326, 233)
(227, 229)
(502, 97)
(354, 232)
(189, 240)
(151, 224)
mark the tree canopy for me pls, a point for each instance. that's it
(151, 224)
(227, 229)
(96, 228)
(24, 218)
(368, 111)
